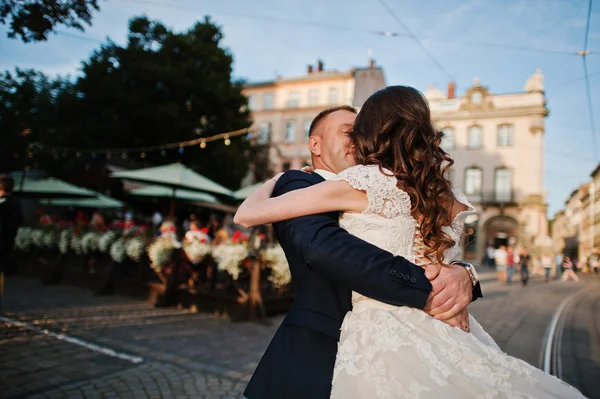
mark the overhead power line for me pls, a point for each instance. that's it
(584, 55)
(416, 40)
(348, 28)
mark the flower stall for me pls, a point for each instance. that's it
(239, 277)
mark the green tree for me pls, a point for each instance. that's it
(29, 111)
(160, 87)
(33, 20)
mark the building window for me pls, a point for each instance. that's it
(252, 103)
(473, 180)
(475, 137)
(307, 129)
(505, 135)
(264, 132)
(313, 97)
(294, 99)
(503, 185)
(268, 101)
(448, 139)
(290, 132)
(333, 96)
(286, 166)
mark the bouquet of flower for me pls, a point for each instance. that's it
(105, 241)
(280, 270)
(196, 250)
(37, 238)
(76, 243)
(64, 241)
(160, 252)
(229, 256)
(89, 242)
(23, 239)
(117, 251)
(134, 248)
(50, 239)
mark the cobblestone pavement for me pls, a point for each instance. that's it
(197, 355)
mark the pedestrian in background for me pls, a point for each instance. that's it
(547, 265)
(500, 257)
(568, 270)
(524, 260)
(510, 264)
(594, 264)
(489, 251)
(10, 220)
(558, 259)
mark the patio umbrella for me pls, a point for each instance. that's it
(200, 199)
(166, 192)
(101, 201)
(245, 192)
(176, 177)
(51, 188)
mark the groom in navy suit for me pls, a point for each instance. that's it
(327, 264)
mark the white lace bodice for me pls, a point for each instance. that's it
(387, 221)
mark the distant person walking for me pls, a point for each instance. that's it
(547, 264)
(10, 220)
(524, 260)
(510, 264)
(568, 270)
(500, 257)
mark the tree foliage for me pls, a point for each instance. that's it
(160, 87)
(34, 20)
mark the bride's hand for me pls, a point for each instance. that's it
(461, 320)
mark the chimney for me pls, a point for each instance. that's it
(320, 66)
(451, 90)
(372, 64)
(310, 69)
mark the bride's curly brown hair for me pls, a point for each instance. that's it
(394, 130)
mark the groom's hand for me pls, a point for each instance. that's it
(452, 291)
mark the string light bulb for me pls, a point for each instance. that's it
(143, 155)
(203, 144)
(227, 141)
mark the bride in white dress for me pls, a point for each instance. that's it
(398, 199)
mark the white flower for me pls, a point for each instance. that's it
(37, 238)
(64, 241)
(134, 248)
(280, 270)
(23, 238)
(105, 241)
(196, 250)
(117, 251)
(229, 257)
(50, 239)
(159, 253)
(89, 243)
(76, 244)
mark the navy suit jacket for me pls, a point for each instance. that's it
(327, 263)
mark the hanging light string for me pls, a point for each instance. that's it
(226, 137)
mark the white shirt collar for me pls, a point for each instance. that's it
(325, 174)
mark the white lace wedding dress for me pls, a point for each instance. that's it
(399, 352)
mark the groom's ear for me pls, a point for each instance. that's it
(314, 145)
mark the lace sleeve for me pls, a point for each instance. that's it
(385, 198)
(459, 219)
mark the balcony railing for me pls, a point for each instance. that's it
(494, 197)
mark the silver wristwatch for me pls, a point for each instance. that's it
(470, 269)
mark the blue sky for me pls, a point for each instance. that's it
(267, 39)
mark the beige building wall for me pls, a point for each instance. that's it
(288, 105)
(508, 193)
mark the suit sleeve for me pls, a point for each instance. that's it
(359, 266)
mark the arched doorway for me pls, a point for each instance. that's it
(501, 230)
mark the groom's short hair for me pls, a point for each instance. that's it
(323, 114)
